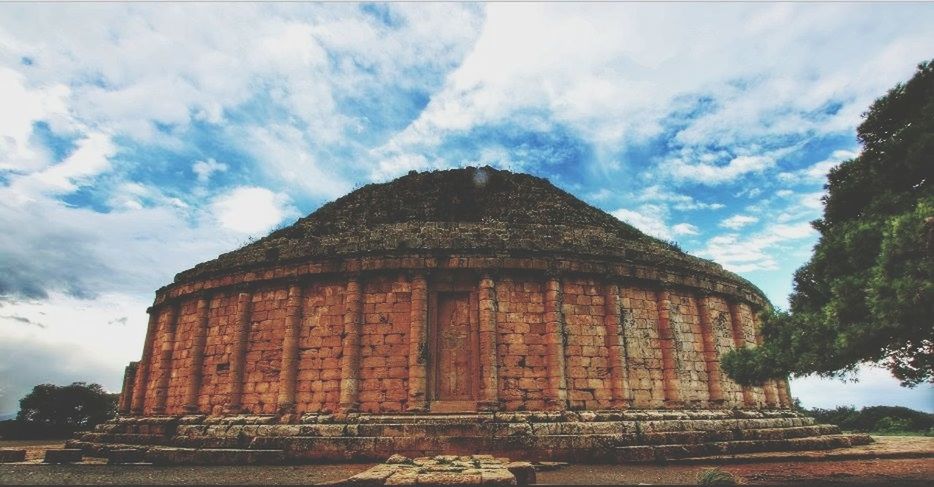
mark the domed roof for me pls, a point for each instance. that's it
(459, 210)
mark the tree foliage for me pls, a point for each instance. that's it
(876, 419)
(58, 411)
(867, 294)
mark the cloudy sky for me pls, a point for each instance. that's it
(139, 140)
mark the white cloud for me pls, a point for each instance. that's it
(817, 173)
(620, 74)
(678, 201)
(713, 174)
(736, 222)
(90, 159)
(251, 210)
(204, 169)
(286, 155)
(684, 229)
(649, 218)
(757, 251)
(22, 107)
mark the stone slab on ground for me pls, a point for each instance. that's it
(881, 447)
(63, 455)
(445, 470)
(7, 456)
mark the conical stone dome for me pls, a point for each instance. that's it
(477, 210)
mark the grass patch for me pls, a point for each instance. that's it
(715, 476)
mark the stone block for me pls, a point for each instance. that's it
(65, 455)
(523, 471)
(128, 455)
(499, 476)
(11, 455)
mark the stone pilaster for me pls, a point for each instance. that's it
(616, 353)
(238, 354)
(556, 393)
(350, 357)
(667, 343)
(126, 394)
(145, 365)
(489, 385)
(199, 339)
(784, 395)
(739, 341)
(714, 387)
(418, 346)
(288, 371)
(165, 359)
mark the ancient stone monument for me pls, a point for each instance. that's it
(453, 312)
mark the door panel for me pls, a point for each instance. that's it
(454, 348)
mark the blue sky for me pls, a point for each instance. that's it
(138, 140)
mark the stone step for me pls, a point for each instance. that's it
(485, 429)
(159, 455)
(575, 448)
(643, 453)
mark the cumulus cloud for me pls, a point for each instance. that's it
(205, 169)
(23, 107)
(757, 251)
(712, 174)
(677, 201)
(684, 229)
(251, 210)
(736, 222)
(651, 219)
(711, 84)
(817, 173)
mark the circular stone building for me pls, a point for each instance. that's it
(461, 311)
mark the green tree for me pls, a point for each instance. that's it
(51, 410)
(867, 294)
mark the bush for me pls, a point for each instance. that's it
(876, 419)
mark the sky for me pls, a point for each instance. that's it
(137, 140)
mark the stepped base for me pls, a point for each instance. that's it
(582, 437)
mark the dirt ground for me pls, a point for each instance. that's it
(903, 461)
(908, 472)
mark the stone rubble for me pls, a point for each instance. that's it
(445, 470)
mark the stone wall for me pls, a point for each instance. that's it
(521, 351)
(554, 337)
(319, 348)
(384, 344)
(643, 348)
(588, 374)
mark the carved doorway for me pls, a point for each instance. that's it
(454, 354)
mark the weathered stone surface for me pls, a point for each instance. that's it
(213, 456)
(445, 470)
(8, 455)
(67, 455)
(126, 455)
(399, 459)
(606, 436)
